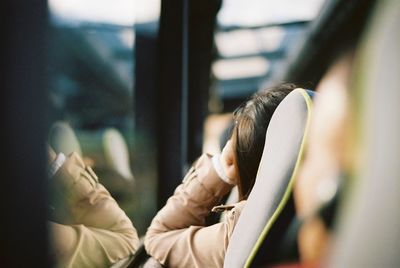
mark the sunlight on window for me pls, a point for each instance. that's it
(249, 42)
(119, 12)
(261, 12)
(240, 68)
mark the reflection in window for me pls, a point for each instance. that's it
(91, 84)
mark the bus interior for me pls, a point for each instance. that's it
(143, 88)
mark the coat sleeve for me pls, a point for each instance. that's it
(177, 236)
(88, 229)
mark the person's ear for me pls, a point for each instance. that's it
(228, 160)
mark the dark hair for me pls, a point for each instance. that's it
(251, 122)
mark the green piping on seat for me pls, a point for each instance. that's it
(288, 191)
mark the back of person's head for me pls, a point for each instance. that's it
(251, 122)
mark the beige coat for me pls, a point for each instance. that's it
(178, 237)
(88, 227)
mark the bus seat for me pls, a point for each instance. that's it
(63, 139)
(367, 230)
(270, 207)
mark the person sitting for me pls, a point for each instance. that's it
(177, 236)
(87, 227)
(328, 158)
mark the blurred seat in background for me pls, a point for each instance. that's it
(116, 153)
(62, 138)
(105, 150)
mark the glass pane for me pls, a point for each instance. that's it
(254, 41)
(91, 80)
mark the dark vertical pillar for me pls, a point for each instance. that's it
(202, 20)
(169, 98)
(145, 94)
(185, 86)
(185, 42)
(23, 234)
(144, 162)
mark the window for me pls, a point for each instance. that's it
(91, 68)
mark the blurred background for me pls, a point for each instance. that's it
(91, 79)
(141, 88)
(103, 64)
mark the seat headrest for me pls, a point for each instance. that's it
(276, 173)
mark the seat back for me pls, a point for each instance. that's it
(368, 220)
(63, 139)
(270, 200)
